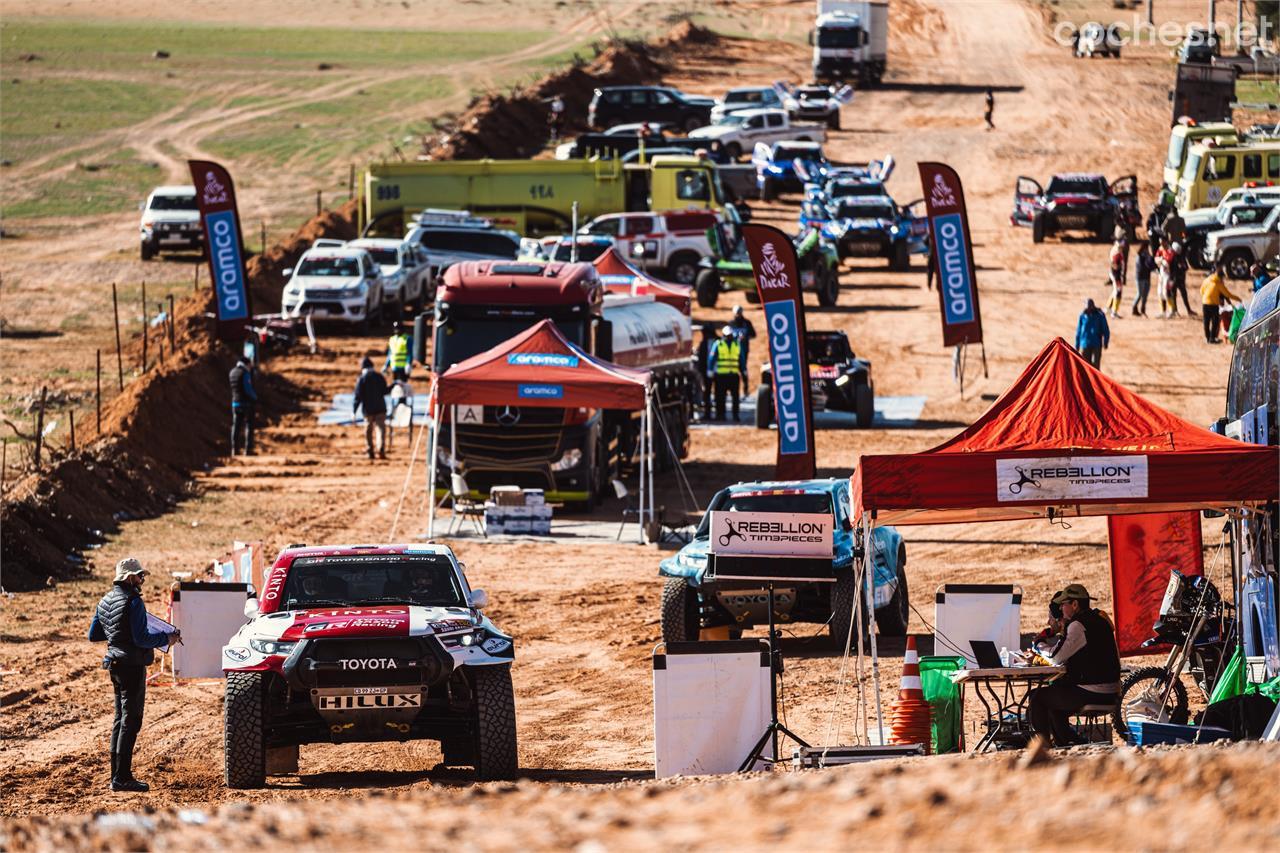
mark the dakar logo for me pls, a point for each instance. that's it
(941, 195)
(214, 192)
(773, 273)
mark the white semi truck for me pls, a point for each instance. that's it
(850, 40)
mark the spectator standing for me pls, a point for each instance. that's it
(1119, 271)
(727, 367)
(702, 359)
(371, 395)
(1180, 267)
(244, 400)
(1143, 266)
(1092, 334)
(746, 333)
(1213, 292)
(1164, 267)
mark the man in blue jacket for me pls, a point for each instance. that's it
(1092, 334)
(121, 622)
(371, 395)
(243, 400)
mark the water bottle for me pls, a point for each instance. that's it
(1004, 656)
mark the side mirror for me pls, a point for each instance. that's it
(288, 272)
(250, 608)
(479, 599)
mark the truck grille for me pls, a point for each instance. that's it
(533, 445)
(378, 661)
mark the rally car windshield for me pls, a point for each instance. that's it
(813, 93)
(865, 211)
(854, 190)
(792, 152)
(789, 502)
(358, 579)
(1077, 186)
(340, 267)
(825, 350)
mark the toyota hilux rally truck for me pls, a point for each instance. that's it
(364, 643)
(1076, 201)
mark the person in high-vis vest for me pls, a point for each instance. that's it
(398, 360)
(726, 367)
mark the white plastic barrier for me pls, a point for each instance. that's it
(710, 706)
(207, 614)
(965, 612)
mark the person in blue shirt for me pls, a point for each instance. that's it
(120, 621)
(1092, 334)
(244, 399)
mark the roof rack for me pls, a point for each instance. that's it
(462, 218)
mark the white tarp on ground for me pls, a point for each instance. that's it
(891, 413)
(965, 612)
(207, 614)
(710, 706)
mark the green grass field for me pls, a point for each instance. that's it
(72, 91)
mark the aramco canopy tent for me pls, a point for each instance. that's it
(618, 276)
(539, 367)
(1066, 440)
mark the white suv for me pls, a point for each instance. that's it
(405, 272)
(1239, 248)
(170, 220)
(341, 284)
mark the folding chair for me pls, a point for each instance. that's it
(1093, 721)
(629, 509)
(463, 506)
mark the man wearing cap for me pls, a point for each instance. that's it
(1088, 652)
(728, 368)
(121, 622)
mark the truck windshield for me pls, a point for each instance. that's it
(1061, 185)
(385, 257)
(855, 210)
(747, 96)
(1191, 168)
(173, 202)
(355, 579)
(338, 267)
(790, 502)
(852, 190)
(587, 252)
(840, 37)
(487, 243)
(795, 152)
(457, 341)
(1177, 150)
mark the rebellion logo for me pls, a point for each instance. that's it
(1071, 478)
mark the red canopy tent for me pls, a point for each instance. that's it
(1066, 440)
(540, 367)
(618, 276)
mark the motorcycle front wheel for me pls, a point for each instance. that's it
(1143, 689)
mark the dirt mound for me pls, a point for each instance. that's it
(515, 125)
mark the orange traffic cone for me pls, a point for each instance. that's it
(909, 717)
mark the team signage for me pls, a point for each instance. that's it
(1070, 478)
(773, 261)
(542, 359)
(771, 534)
(952, 250)
(216, 198)
(540, 392)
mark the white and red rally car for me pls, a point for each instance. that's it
(362, 643)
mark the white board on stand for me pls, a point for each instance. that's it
(710, 706)
(207, 614)
(964, 612)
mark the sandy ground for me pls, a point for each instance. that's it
(586, 617)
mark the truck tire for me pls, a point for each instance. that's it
(764, 405)
(708, 288)
(1107, 228)
(901, 260)
(681, 621)
(1237, 262)
(683, 267)
(693, 123)
(864, 406)
(496, 752)
(844, 593)
(828, 286)
(733, 151)
(893, 619)
(147, 251)
(244, 735)
(1038, 228)
(768, 189)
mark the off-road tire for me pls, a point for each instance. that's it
(864, 406)
(147, 251)
(1157, 677)
(844, 594)
(1237, 262)
(683, 267)
(707, 288)
(768, 189)
(1038, 228)
(681, 621)
(496, 751)
(894, 618)
(828, 282)
(901, 258)
(752, 296)
(244, 739)
(764, 405)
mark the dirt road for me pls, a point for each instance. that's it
(586, 617)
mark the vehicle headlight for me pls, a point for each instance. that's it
(842, 380)
(272, 647)
(691, 561)
(569, 460)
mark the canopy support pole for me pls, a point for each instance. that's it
(653, 456)
(869, 571)
(983, 344)
(431, 466)
(644, 423)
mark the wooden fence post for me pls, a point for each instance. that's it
(115, 308)
(40, 425)
(318, 207)
(144, 325)
(97, 388)
(72, 414)
(173, 340)
(195, 280)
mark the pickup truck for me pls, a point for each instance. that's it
(612, 105)
(743, 130)
(693, 599)
(776, 167)
(671, 243)
(816, 103)
(1196, 226)
(745, 98)
(406, 274)
(170, 220)
(1240, 248)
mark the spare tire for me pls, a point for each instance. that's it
(707, 288)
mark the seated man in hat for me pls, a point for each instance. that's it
(1088, 652)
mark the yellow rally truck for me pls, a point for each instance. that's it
(1211, 170)
(535, 197)
(1185, 134)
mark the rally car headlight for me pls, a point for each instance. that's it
(691, 561)
(272, 647)
(842, 380)
(570, 459)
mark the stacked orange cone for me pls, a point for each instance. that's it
(909, 718)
